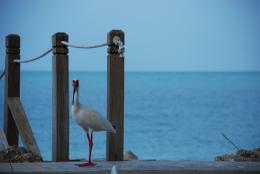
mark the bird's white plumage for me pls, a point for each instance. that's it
(88, 118)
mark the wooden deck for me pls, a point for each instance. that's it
(136, 167)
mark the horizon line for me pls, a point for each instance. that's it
(158, 71)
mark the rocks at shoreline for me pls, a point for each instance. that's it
(18, 154)
(241, 155)
(130, 156)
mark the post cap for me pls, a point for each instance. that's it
(112, 34)
(12, 41)
(58, 37)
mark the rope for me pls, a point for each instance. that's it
(2, 75)
(83, 47)
(35, 58)
(116, 41)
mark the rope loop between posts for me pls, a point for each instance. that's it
(116, 40)
(35, 58)
(83, 47)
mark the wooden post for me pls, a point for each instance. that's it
(60, 99)
(115, 98)
(12, 85)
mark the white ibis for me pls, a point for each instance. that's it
(89, 119)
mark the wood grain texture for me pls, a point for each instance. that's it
(12, 85)
(60, 99)
(115, 100)
(3, 140)
(23, 125)
(136, 167)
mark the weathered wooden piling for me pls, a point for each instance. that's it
(12, 85)
(115, 97)
(60, 99)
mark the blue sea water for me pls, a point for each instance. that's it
(168, 115)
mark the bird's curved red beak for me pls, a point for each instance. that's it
(75, 84)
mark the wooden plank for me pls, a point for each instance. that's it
(60, 99)
(115, 98)
(12, 85)
(3, 140)
(137, 167)
(5, 168)
(23, 125)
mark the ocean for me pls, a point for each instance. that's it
(168, 115)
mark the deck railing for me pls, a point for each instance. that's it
(15, 120)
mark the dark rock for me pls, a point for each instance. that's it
(130, 156)
(226, 157)
(18, 154)
(241, 155)
(257, 149)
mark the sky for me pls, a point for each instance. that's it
(160, 35)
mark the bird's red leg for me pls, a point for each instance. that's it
(90, 145)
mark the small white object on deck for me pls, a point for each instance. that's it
(113, 170)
